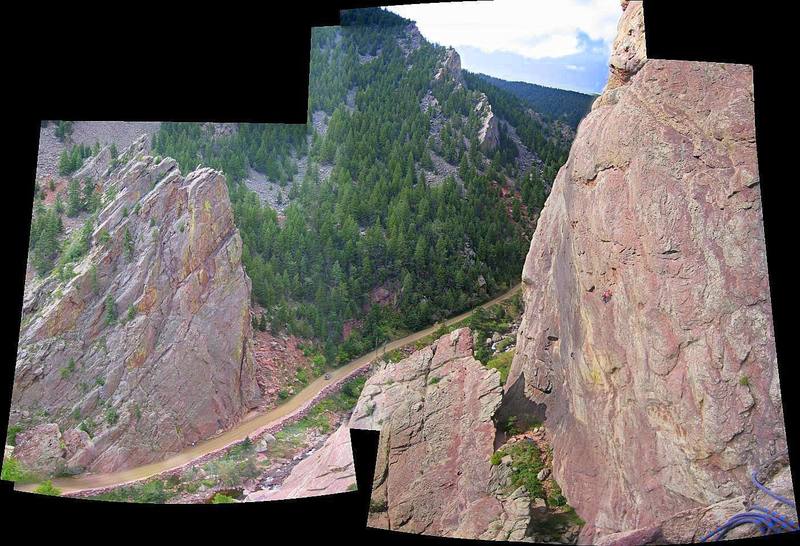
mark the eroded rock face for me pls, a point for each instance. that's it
(451, 67)
(41, 449)
(488, 133)
(433, 474)
(694, 524)
(325, 472)
(647, 331)
(175, 366)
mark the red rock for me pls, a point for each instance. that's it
(433, 475)
(40, 449)
(663, 398)
(181, 368)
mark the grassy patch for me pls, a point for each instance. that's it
(152, 492)
(501, 363)
(15, 471)
(219, 498)
(11, 434)
(526, 462)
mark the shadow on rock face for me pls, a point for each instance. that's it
(518, 408)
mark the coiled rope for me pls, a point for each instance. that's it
(767, 520)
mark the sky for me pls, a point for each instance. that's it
(558, 43)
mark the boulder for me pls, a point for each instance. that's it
(41, 449)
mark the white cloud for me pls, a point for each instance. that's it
(531, 28)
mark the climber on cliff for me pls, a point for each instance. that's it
(607, 295)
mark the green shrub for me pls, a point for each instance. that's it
(11, 434)
(47, 488)
(67, 370)
(744, 381)
(110, 310)
(15, 471)
(153, 492)
(502, 363)
(434, 380)
(87, 426)
(318, 363)
(556, 497)
(511, 427)
(112, 416)
(526, 463)
(219, 498)
(377, 506)
(127, 243)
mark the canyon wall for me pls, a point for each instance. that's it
(647, 334)
(145, 348)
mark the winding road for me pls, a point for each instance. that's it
(252, 423)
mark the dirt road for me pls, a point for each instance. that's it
(252, 423)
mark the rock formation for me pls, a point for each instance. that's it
(647, 334)
(325, 472)
(433, 474)
(146, 348)
(451, 67)
(488, 133)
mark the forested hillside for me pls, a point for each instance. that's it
(560, 104)
(409, 197)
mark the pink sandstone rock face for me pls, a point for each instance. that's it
(647, 333)
(433, 474)
(41, 449)
(327, 471)
(176, 366)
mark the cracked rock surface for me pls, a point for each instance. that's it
(647, 330)
(433, 474)
(176, 365)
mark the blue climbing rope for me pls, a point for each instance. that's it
(767, 520)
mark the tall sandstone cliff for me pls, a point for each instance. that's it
(647, 337)
(176, 366)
